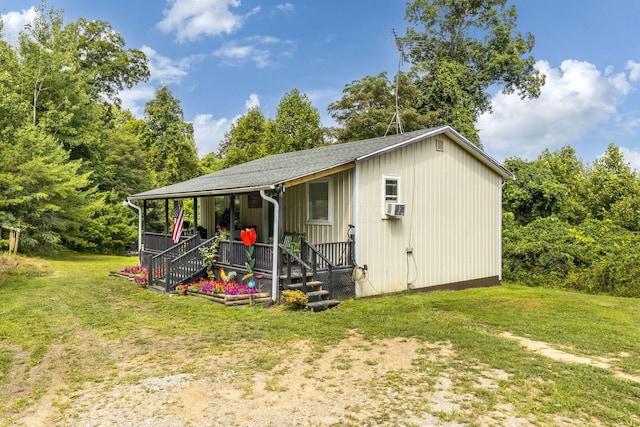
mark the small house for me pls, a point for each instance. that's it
(418, 210)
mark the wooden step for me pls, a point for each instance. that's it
(296, 275)
(322, 305)
(315, 284)
(317, 295)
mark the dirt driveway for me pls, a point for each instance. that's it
(396, 382)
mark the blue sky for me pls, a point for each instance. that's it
(221, 57)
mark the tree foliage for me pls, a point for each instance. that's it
(245, 141)
(573, 226)
(367, 108)
(67, 156)
(296, 127)
(460, 49)
(169, 139)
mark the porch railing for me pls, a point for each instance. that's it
(160, 264)
(184, 261)
(336, 253)
(231, 253)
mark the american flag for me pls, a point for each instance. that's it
(178, 221)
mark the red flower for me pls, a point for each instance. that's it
(248, 236)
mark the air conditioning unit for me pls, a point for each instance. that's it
(394, 210)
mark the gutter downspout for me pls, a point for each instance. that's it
(140, 245)
(276, 232)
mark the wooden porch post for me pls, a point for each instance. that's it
(232, 216)
(280, 212)
(144, 233)
(166, 216)
(195, 217)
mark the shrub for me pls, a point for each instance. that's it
(295, 297)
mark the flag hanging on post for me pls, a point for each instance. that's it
(178, 221)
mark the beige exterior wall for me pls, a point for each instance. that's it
(207, 215)
(451, 222)
(295, 210)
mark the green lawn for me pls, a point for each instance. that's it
(40, 315)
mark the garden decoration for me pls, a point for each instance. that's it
(249, 237)
(227, 291)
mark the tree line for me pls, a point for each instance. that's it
(571, 225)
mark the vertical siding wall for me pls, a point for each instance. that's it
(295, 210)
(207, 216)
(452, 219)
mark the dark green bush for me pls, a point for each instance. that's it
(596, 256)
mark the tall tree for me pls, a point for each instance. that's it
(101, 55)
(613, 190)
(67, 72)
(245, 141)
(462, 48)
(42, 192)
(296, 126)
(368, 106)
(169, 139)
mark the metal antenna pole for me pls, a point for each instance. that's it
(396, 116)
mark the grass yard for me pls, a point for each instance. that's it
(78, 347)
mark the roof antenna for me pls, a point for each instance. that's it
(396, 116)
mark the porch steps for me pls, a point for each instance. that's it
(318, 297)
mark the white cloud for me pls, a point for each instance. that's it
(252, 102)
(575, 99)
(166, 70)
(285, 7)
(135, 98)
(14, 22)
(631, 157)
(256, 49)
(634, 71)
(208, 132)
(192, 19)
(233, 54)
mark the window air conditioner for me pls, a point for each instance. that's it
(394, 209)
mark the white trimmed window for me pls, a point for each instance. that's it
(319, 202)
(390, 191)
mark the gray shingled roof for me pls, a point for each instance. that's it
(270, 171)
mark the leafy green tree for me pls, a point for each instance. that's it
(67, 72)
(460, 49)
(64, 171)
(169, 139)
(43, 192)
(101, 55)
(296, 126)
(613, 190)
(535, 193)
(569, 171)
(245, 141)
(552, 185)
(211, 163)
(368, 107)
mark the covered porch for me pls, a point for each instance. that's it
(284, 259)
(301, 209)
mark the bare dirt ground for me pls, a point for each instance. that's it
(396, 382)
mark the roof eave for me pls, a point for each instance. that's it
(184, 195)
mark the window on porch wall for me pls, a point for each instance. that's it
(319, 202)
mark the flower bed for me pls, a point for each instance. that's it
(136, 274)
(227, 292)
